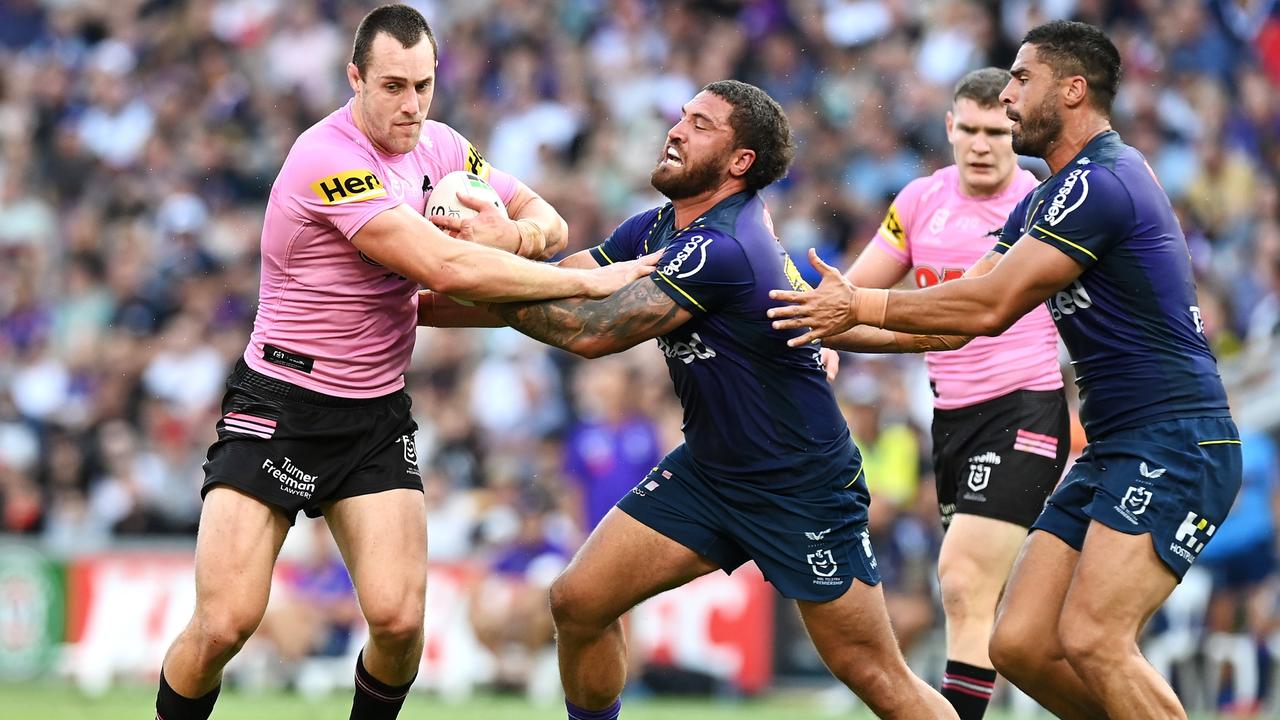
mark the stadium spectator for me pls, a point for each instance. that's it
(80, 238)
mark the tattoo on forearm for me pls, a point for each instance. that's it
(635, 313)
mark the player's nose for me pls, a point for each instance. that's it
(1006, 95)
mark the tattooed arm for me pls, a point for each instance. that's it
(591, 328)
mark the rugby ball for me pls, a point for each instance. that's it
(444, 196)
(444, 201)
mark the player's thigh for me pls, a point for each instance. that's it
(977, 554)
(236, 548)
(383, 540)
(1027, 618)
(1119, 582)
(852, 629)
(622, 563)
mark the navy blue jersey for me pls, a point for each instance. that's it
(1131, 320)
(755, 410)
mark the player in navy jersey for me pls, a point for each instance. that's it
(1099, 243)
(768, 471)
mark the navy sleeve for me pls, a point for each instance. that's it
(628, 240)
(704, 270)
(1085, 215)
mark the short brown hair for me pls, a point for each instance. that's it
(983, 86)
(401, 22)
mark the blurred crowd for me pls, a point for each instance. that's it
(139, 138)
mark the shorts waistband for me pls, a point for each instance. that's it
(250, 379)
(1001, 402)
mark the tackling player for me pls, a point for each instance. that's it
(1099, 243)
(315, 418)
(1000, 426)
(768, 471)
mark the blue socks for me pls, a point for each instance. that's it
(609, 713)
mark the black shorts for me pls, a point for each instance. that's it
(296, 449)
(1001, 458)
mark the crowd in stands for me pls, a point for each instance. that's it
(139, 140)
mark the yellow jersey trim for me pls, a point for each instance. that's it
(1081, 248)
(682, 292)
(1220, 442)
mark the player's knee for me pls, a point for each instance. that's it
(1013, 652)
(963, 594)
(223, 631)
(1088, 645)
(392, 623)
(869, 680)
(572, 606)
(563, 600)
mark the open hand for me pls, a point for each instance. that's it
(608, 279)
(825, 311)
(489, 226)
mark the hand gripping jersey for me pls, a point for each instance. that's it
(940, 232)
(755, 410)
(1130, 321)
(330, 319)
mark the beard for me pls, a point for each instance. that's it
(1038, 129)
(692, 179)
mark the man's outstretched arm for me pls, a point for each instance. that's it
(439, 310)
(592, 328)
(987, 304)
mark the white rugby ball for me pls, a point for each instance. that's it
(444, 201)
(444, 196)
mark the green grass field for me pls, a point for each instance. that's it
(60, 702)
(52, 701)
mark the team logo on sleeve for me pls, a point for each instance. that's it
(891, 229)
(1058, 208)
(694, 254)
(348, 187)
(476, 164)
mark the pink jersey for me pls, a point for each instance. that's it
(330, 319)
(938, 231)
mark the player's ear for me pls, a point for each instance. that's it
(950, 122)
(742, 161)
(353, 77)
(1074, 90)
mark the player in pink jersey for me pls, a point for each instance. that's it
(315, 417)
(1000, 430)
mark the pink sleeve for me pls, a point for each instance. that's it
(891, 235)
(461, 154)
(335, 183)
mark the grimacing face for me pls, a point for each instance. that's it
(982, 144)
(1032, 102)
(698, 150)
(393, 97)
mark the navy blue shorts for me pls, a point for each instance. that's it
(809, 542)
(1174, 480)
